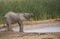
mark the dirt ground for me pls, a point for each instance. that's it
(18, 35)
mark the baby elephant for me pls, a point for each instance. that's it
(11, 18)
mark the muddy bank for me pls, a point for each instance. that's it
(34, 24)
(37, 22)
(16, 35)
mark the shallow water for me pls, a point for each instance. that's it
(47, 27)
(41, 30)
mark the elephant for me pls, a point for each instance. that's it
(12, 18)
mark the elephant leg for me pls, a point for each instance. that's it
(8, 23)
(20, 25)
(9, 27)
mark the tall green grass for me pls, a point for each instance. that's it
(42, 9)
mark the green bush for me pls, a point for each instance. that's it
(42, 9)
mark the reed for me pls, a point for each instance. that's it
(42, 9)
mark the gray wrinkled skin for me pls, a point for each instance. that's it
(11, 18)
